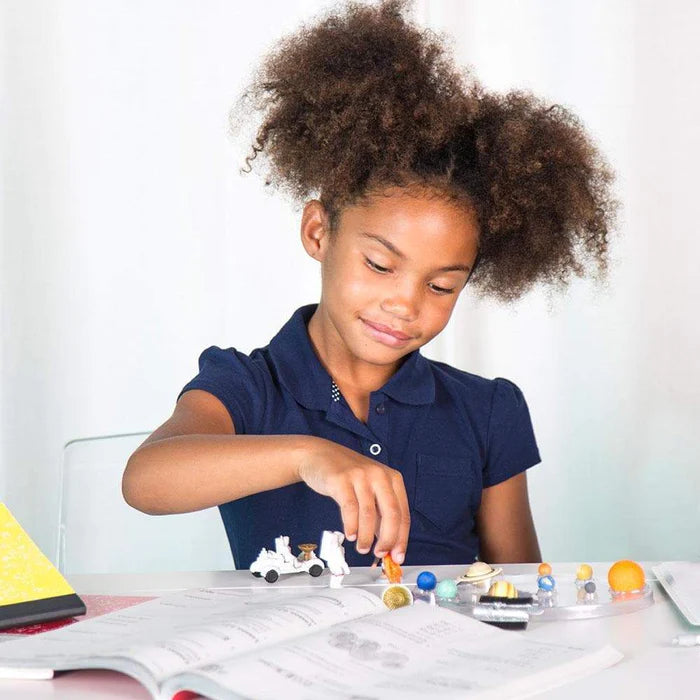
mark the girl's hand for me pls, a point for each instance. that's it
(372, 497)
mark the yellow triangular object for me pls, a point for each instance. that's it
(25, 573)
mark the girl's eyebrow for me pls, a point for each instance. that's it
(390, 246)
(385, 243)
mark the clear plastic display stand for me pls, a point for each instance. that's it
(568, 600)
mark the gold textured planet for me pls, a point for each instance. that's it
(397, 596)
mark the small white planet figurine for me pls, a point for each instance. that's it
(479, 571)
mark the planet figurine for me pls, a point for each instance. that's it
(544, 569)
(546, 583)
(584, 572)
(426, 581)
(479, 571)
(391, 569)
(397, 596)
(479, 568)
(587, 593)
(447, 589)
(503, 589)
(626, 576)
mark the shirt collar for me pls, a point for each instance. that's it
(301, 372)
(413, 382)
(297, 365)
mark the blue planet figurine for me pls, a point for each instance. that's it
(546, 583)
(426, 581)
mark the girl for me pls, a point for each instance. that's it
(415, 181)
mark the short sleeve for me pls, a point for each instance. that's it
(234, 379)
(511, 440)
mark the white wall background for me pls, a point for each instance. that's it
(130, 243)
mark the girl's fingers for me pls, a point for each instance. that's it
(349, 510)
(374, 503)
(398, 551)
(390, 517)
(367, 516)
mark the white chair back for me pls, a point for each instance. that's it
(98, 532)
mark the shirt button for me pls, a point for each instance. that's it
(380, 409)
(375, 449)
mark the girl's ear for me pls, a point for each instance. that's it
(315, 230)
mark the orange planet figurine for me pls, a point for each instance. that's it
(544, 569)
(392, 569)
(626, 576)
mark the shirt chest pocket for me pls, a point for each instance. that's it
(447, 491)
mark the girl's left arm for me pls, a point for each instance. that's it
(504, 523)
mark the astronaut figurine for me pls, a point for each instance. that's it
(284, 550)
(333, 552)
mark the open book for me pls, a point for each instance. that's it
(330, 643)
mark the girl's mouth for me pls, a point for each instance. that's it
(385, 334)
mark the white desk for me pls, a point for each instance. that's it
(652, 668)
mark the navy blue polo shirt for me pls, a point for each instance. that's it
(450, 433)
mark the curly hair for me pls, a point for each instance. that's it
(362, 100)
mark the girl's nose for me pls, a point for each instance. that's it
(402, 303)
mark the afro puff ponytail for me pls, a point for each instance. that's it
(362, 100)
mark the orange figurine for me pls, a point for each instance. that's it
(626, 576)
(544, 569)
(392, 569)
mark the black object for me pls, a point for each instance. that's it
(508, 624)
(523, 600)
(44, 610)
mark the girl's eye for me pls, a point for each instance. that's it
(441, 290)
(375, 267)
(383, 270)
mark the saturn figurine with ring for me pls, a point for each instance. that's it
(479, 572)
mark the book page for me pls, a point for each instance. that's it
(176, 632)
(415, 652)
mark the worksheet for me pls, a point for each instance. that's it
(421, 651)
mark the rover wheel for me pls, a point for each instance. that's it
(271, 576)
(316, 570)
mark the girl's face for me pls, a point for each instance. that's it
(392, 272)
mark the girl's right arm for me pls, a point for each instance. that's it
(195, 460)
